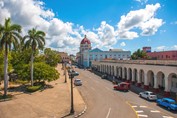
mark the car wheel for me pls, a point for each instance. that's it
(148, 98)
(169, 108)
(140, 95)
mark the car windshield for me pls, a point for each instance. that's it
(77, 80)
(152, 93)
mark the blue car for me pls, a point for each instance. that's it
(168, 103)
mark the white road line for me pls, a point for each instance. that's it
(155, 111)
(167, 117)
(143, 106)
(108, 113)
(139, 111)
(134, 106)
(92, 88)
(141, 115)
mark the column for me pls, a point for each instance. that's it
(128, 78)
(123, 74)
(133, 77)
(167, 86)
(138, 78)
(146, 84)
(156, 89)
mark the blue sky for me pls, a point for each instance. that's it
(125, 24)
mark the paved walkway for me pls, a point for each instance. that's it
(49, 103)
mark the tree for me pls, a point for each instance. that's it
(139, 54)
(34, 40)
(9, 37)
(52, 57)
(42, 72)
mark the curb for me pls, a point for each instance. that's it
(81, 112)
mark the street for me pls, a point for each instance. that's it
(104, 102)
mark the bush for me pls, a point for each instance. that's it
(7, 97)
(33, 88)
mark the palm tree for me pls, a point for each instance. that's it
(9, 37)
(34, 40)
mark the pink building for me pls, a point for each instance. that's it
(163, 55)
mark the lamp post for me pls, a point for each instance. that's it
(72, 73)
(65, 73)
(72, 103)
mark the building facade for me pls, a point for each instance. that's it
(156, 74)
(162, 55)
(87, 55)
(64, 56)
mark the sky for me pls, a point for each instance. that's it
(108, 24)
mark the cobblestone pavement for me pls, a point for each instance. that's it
(49, 103)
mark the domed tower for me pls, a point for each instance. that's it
(85, 46)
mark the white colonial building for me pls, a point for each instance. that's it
(87, 55)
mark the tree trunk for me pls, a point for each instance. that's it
(32, 68)
(5, 70)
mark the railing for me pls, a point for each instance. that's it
(143, 62)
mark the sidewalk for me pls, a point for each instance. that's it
(49, 103)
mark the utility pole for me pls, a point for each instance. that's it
(65, 73)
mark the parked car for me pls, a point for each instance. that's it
(77, 82)
(148, 95)
(170, 104)
(104, 76)
(124, 86)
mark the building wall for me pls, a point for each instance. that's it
(64, 56)
(165, 55)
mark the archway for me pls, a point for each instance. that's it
(120, 72)
(141, 75)
(112, 70)
(125, 73)
(150, 78)
(135, 75)
(130, 74)
(117, 72)
(172, 83)
(161, 80)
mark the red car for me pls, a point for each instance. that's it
(123, 86)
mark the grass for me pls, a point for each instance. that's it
(7, 97)
(33, 88)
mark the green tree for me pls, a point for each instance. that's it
(9, 37)
(42, 72)
(52, 57)
(139, 54)
(34, 40)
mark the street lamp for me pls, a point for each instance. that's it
(65, 73)
(72, 73)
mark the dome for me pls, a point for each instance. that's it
(85, 41)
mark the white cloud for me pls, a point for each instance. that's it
(161, 48)
(66, 36)
(143, 19)
(122, 44)
(174, 47)
(142, 1)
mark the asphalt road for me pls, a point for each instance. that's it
(104, 102)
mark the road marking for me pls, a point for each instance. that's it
(92, 88)
(155, 111)
(167, 117)
(140, 115)
(143, 106)
(133, 109)
(139, 111)
(134, 106)
(108, 113)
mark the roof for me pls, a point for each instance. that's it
(96, 50)
(114, 50)
(85, 40)
(169, 99)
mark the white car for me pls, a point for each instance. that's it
(148, 95)
(77, 82)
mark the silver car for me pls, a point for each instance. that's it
(148, 95)
(77, 82)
